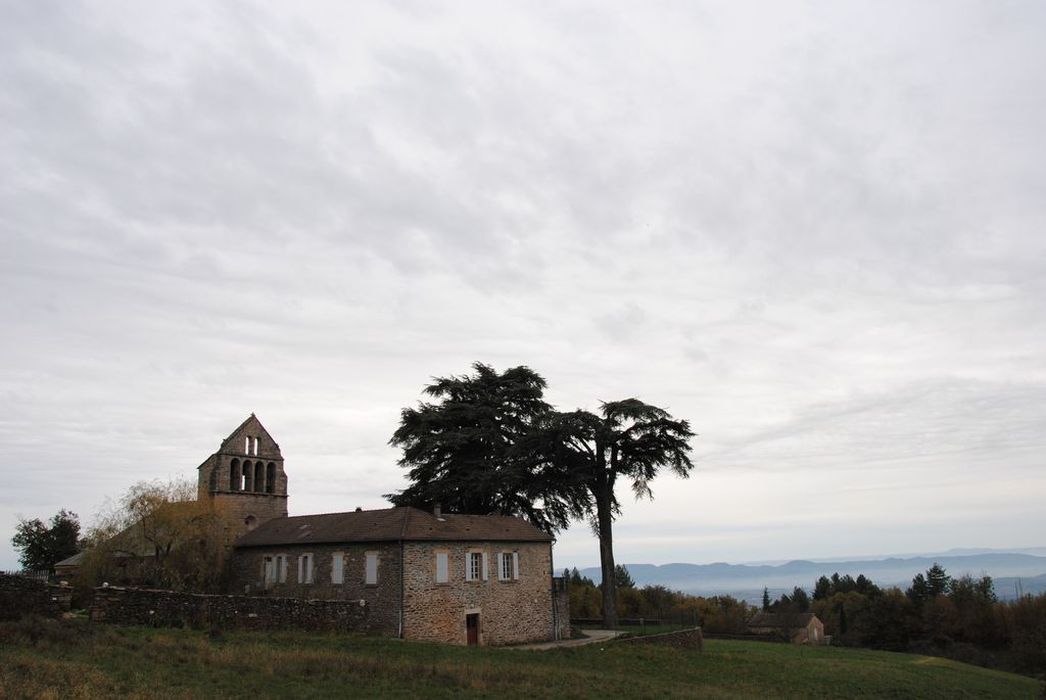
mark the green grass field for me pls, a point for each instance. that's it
(74, 659)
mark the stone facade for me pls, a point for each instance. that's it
(511, 611)
(247, 574)
(408, 601)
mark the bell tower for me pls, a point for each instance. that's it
(245, 478)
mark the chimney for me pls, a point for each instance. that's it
(436, 510)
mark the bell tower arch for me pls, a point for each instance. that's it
(245, 478)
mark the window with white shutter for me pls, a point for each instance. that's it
(281, 568)
(442, 567)
(474, 566)
(371, 578)
(338, 568)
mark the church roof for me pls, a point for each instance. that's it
(391, 525)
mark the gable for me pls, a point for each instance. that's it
(238, 441)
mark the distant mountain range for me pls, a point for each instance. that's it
(1011, 571)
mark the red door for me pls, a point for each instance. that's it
(472, 629)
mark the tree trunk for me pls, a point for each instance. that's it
(605, 519)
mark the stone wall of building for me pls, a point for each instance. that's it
(246, 575)
(511, 611)
(154, 608)
(239, 508)
(20, 595)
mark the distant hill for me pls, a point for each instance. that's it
(747, 580)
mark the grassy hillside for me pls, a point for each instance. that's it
(76, 659)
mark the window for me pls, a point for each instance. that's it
(281, 568)
(372, 569)
(305, 568)
(442, 568)
(508, 566)
(255, 452)
(476, 566)
(246, 445)
(268, 570)
(338, 567)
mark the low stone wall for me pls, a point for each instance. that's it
(155, 608)
(690, 639)
(20, 595)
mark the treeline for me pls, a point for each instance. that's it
(960, 618)
(716, 614)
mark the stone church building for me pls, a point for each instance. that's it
(462, 579)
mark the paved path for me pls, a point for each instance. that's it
(591, 637)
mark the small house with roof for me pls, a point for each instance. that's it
(797, 627)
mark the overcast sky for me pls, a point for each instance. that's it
(816, 230)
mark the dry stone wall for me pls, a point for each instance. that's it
(20, 595)
(156, 608)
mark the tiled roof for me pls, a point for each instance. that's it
(391, 525)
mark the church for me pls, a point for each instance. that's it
(420, 575)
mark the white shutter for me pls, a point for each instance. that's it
(468, 566)
(485, 567)
(515, 565)
(301, 568)
(441, 567)
(281, 568)
(337, 568)
(499, 564)
(372, 568)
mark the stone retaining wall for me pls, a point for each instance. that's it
(155, 608)
(20, 595)
(691, 639)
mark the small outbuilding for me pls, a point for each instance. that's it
(799, 628)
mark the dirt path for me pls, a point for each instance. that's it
(591, 637)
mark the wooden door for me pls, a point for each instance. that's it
(472, 629)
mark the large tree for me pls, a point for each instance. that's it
(42, 545)
(492, 445)
(159, 534)
(627, 441)
(471, 450)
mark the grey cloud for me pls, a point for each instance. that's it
(812, 230)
